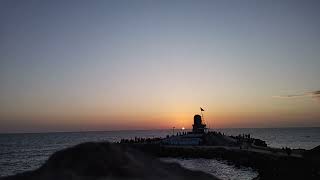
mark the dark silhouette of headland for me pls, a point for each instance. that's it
(241, 150)
(138, 158)
(106, 161)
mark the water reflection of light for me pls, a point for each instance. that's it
(220, 169)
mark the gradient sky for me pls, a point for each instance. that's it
(108, 65)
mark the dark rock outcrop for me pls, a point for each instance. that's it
(91, 161)
(313, 155)
(269, 166)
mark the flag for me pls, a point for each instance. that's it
(201, 109)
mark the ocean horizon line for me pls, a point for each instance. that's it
(128, 130)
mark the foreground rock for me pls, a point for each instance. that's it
(269, 165)
(91, 161)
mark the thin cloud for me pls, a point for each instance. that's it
(314, 94)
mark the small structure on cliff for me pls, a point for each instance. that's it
(191, 138)
(200, 136)
(198, 126)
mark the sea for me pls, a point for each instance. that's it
(27, 151)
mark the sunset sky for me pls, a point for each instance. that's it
(111, 65)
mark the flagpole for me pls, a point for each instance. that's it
(202, 115)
